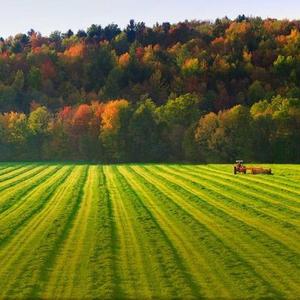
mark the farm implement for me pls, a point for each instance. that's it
(241, 168)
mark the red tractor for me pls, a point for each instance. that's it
(240, 168)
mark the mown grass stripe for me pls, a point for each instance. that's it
(262, 180)
(16, 190)
(231, 234)
(288, 183)
(9, 168)
(13, 220)
(280, 176)
(242, 181)
(205, 237)
(20, 242)
(235, 262)
(50, 228)
(148, 232)
(221, 194)
(131, 264)
(15, 195)
(104, 279)
(265, 237)
(150, 250)
(163, 228)
(10, 176)
(202, 282)
(265, 208)
(277, 206)
(71, 275)
(18, 178)
(221, 199)
(73, 195)
(290, 202)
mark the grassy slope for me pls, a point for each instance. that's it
(148, 231)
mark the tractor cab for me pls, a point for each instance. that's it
(239, 167)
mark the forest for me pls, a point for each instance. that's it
(195, 91)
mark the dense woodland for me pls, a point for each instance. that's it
(193, 91)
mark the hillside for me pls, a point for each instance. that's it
(193, 91)
(226, 62)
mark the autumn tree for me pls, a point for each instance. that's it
(114, 121)
(14, 135)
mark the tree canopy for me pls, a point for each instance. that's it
(195, 90)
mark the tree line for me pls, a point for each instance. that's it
(120, 131)
(191, 91)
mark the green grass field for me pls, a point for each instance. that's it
(148, 231)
